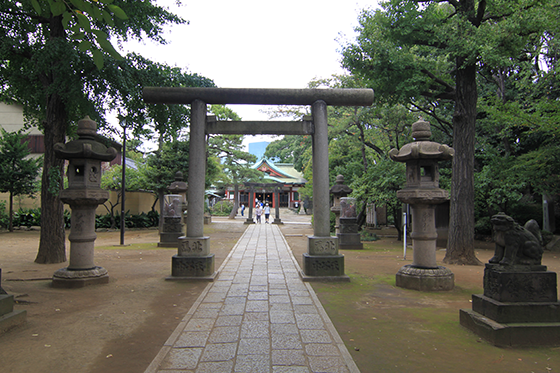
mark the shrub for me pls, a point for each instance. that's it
(27, 217)
(4, 217)
(222, 208)
(368, 236)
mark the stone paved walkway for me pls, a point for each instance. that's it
(258, 316)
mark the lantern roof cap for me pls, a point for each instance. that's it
(422, 148)
(85, 146)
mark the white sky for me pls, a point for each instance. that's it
(258, 43)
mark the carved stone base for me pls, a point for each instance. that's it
(520, 283)
(323, 267)
(192, 268)
(277, 221)
(249, 221)
(350, 241)
(66, 278)
(322, 245)
(513, 334)
(425, 279)
(194, 246)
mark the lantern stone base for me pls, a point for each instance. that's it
(169, 239)
(425, 279)
(192, 268)
(323, 268)
(349, 241)
(66, 278)
(10, 318)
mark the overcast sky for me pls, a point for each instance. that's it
(258, 43)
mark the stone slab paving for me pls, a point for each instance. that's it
(258, 316)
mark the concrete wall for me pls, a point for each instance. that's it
(11, 119)
(136, 202)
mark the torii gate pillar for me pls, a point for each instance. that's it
(193, 260)
(322, 259)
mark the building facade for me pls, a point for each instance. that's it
(281, 175)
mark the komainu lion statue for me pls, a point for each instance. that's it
(516, 244)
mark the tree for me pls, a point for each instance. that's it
(51, 54)
(235, 162)
(135, 179)
(18, 174)
(424, 53)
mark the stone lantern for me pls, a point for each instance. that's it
(422, 192)
(174, 207)
(349, 238)
(339, 190)
(83, 194)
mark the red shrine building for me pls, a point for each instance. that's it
(276, 174)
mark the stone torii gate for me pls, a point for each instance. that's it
(322, 259)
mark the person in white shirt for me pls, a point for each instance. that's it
(266, 213)
(258, 213)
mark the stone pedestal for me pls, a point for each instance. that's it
(9, 318)
(172, 227)
(81, 270)
(322, 261)
(425, 279)
(171, 231)
(519, 307)
(349, 238)
(193, 260)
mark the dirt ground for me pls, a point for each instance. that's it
(390, 329)
(120, 327)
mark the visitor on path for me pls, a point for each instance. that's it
(258, 213)
(266, 213)
(242, 209)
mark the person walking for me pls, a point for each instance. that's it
(258, 213)
(266, 213)
(242, 209)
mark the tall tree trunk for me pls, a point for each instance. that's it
(460, 246)
(52, 247)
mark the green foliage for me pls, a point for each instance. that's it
(366, 235)
(4, 217)
(142, 220)
(222, 208)
(162, 166)
(18, 173)
(27, 217)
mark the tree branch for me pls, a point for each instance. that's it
(448, 87)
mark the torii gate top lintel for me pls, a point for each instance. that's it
(258, 96)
